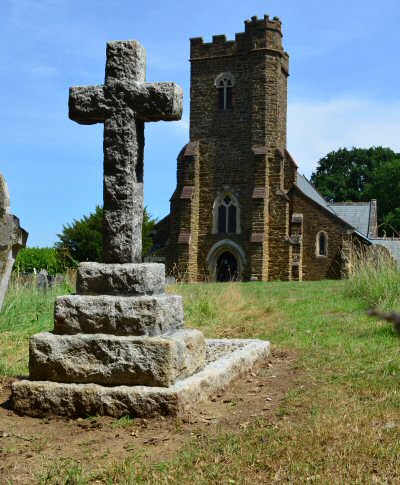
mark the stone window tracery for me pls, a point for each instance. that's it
(322, 244)
(225, 84)
(226, 214)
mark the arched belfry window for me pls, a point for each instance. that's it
(322, 244)
(226, 214)
(225, 84)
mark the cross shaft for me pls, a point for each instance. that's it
(124, 103)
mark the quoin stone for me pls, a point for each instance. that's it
(12, 239)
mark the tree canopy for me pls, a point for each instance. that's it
(362, 174)
(83, 238)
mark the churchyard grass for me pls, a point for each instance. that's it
(340, 425)
(26, 310)
(376, 280)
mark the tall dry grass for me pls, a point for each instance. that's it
(374, 278)
(26, 310)
(225, 310)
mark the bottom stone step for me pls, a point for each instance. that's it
(226, 360)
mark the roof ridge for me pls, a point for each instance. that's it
(349, 203)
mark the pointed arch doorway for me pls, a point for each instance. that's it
(227, 267)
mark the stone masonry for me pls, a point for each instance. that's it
(236, 150)
(118, 345)
(239, 150)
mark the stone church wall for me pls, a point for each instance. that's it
(243, 151)
(237, 153)
(316, 219)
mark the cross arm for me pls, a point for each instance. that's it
(159, 101)
(87, 104)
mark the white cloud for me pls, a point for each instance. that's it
(316, 128)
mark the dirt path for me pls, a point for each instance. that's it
(28, 445)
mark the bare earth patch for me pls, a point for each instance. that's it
(28, 446)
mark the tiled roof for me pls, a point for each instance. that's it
(310, 191)
(358, 219)
(355, 214)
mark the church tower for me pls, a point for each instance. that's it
(230, 211)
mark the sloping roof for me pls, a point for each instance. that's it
(357, 214)
(310, 191)
(393, 245)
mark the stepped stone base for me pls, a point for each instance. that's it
(120, 279)
(118, 315)
(112, 361)
(226, 360)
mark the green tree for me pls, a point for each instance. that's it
(343, 175)
(385, 187)
(362, 174)
(83, 238)
(30, 259)
(148, 226)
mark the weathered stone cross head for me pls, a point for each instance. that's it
(123, 103)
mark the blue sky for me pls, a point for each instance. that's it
(343, 89)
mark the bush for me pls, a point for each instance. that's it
(52, 260)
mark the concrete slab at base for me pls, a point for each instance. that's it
(227, 360)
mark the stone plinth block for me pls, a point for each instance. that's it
(118, 315)
(233, 358)
(120, 279)
(111, 360)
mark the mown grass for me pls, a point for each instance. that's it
(341, 426)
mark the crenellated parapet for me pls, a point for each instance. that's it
(259, 34)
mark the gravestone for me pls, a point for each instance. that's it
(59, 279)
(42, 281)
(12, 239)
(119, 346)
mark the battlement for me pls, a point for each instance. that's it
(265, 23)
(261, 33)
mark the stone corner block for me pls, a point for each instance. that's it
(111, 360)
(150, 315)
(120, 279)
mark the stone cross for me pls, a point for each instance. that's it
(123, 103)
(12, 239)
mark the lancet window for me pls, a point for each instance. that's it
(322, 244)
(226, 214)
(225, 84)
